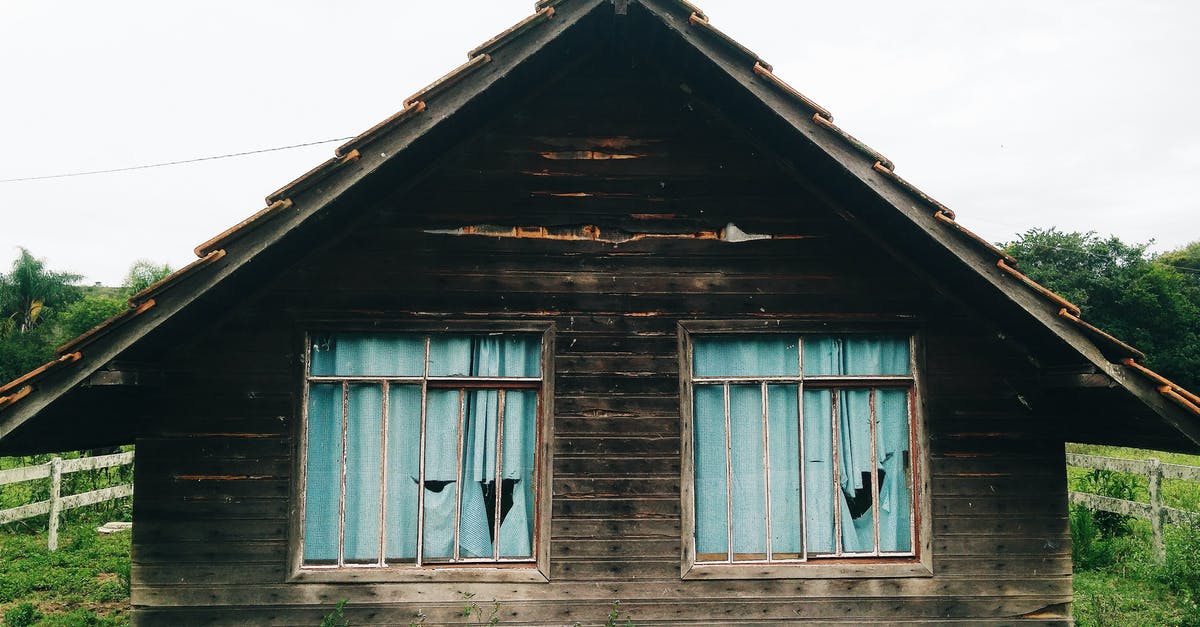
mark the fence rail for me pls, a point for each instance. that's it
(1154, 511)
(54, 470)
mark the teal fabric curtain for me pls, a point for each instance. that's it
(865, 356)
(800, 479)
(364, 471)
(895, 491)
(765, 356)
(441, 473)
(708, 427)
(466, 421)
(403, 461)
(818, 471)
(520, 446)
(784, 439)
(323, 488)
(368, 355)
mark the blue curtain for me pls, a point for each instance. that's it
(895, 491)
(323, 488)
(852, 495)
(520, 445)
(712, 531)
(364, 470)
(404, 448)
(749, 472)
(368, 355)
(745, 357)
(441, 472)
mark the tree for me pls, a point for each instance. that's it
(1123, 290)
(30, 293)
(142, 274)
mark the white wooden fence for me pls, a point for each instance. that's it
(1154, 511)
(55, 469)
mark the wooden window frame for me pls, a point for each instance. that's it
(918, 563)
(536, 570)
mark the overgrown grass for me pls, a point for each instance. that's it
(1118, 580)
(86, 581)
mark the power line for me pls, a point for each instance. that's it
(181, 162)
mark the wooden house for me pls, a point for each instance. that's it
(609, 312)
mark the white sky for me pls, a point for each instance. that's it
(1077, 114)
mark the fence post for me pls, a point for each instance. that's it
(1156, 508)
(55, 502)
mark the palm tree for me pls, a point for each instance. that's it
(30, 291)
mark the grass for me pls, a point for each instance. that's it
(86, 581)
(1118, 580)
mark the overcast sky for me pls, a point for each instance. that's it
(1021, 114)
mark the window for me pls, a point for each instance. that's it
(801, 449)
(422, 450)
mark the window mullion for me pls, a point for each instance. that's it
(874, 473)
(837, 510)
(341, 558)
(728, 477)
(421, 460)
(383, 474)
(766, 465)
(800, 438)
(458, 486)
(498, 481)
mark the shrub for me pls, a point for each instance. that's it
(1090, 549)
(22, 615)
(1117, 486)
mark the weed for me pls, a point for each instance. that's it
(337, 618)
(474, 614)
(1089, 548)
(22, 615)
(1117, 486)
(614, 617)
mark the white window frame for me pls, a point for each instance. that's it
(915, 563)
(527, 570)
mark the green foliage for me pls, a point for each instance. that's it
(86, 313)
(1122, 289)
(142, 274)
(30, 293)
(337, 618)
(1181, 566)
(614, 617)
(22, 615)
(475, 615)
(1115, 485)
(1089, 548)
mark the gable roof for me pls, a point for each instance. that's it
(494, 70)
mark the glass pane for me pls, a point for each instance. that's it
(818, 471)
(518, 494)
(403, 472)
(368, 355)
(854, 471)
(478, 474)
(895, 485)
(323, 485)
(364, 469)
(767, 356)
(712, 539)
(485, 355)
(856, 355)
(749, 472)
(784, 424)
(441, 473)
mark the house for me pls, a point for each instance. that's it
(610, 312)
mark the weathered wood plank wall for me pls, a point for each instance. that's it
(215, 473)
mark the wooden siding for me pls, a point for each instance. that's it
(215, 469)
